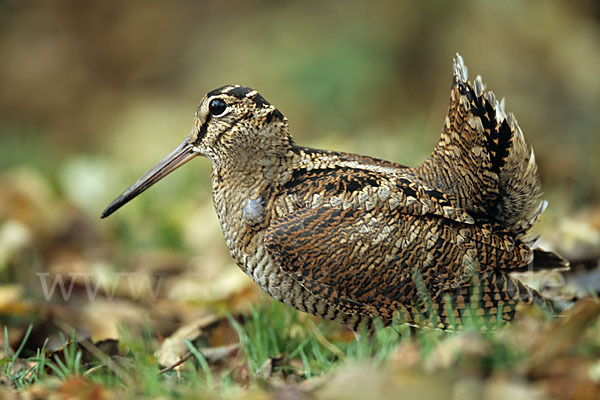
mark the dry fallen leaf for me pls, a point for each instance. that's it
(12, 301)
(561, 336)
(173, 348)
(466, 345)
(366, 381)
(81, 388)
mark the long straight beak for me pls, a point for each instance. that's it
(182, 154)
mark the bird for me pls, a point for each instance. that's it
(357, 239)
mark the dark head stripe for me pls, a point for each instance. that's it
(240, 92)
(260, 101)
(217, 91)
(203, 129)
(275, 113)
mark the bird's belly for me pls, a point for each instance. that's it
(255, 261)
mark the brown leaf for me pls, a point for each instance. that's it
(173, 347)
(290, 393)
(464, 345)
(366, 381)
(562, 335)
(569, 378)
(80, 388)
(12, 301)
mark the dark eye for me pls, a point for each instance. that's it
(217, 107)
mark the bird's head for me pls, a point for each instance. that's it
(232, 126)
(234, 119)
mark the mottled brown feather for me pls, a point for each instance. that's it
(371, 265)
(359, 237)
(350, 237)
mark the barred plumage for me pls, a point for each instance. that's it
(350, 237)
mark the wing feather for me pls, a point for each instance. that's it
(370, 263)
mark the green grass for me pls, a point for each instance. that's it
(270, 331)
(23, 372)
(273, 331)
(293, 342)
(18, 373)
(70, 363)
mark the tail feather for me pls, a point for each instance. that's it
(482, 158)
(484, 165)
(486, 303)
(548, 260)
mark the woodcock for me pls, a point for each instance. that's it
(350, 237)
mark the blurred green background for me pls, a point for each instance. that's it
(95, 92)
(107, 88)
